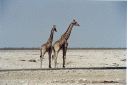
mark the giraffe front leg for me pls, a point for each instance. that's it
(41, 58)
(49, 53)
(40, 52)
(64, 53)
(66, 46)
(40, 62)
(63, 56)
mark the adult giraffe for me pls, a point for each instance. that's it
(47, 47)
(62, 43)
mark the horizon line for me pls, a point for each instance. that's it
(70, 48)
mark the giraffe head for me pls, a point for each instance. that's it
(54, 28)
(75, 23)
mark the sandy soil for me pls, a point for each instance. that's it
(25, 59)
(63, 77)
(12, 59)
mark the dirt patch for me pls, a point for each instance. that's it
(105, 81)
(70, 62)
(22, 60)
(123, 60)
(84, 81)
(64, 81)
(110, 82)
(32, 60)
(115, 64)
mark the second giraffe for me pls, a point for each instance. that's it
(62, 43)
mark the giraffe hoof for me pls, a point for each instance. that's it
(50, 67)
(63, 66)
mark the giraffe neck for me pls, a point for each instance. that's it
(68, 31)
(51, 36)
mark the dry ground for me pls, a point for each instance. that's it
(17, 59)
(25, 59)
(63, 77)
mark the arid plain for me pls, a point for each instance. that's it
(78, 59)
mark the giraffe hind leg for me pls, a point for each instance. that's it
(56, 51)
(55, 60)
(42, 57)
(49, 53)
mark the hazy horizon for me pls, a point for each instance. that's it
(27, 23)
(68, 48)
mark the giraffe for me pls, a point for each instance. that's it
(47, 47)
(62, 43)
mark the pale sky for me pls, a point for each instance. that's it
(27, 23)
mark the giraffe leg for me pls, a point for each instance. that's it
(66, 46)
(40, 62)
(41, 57)
(63, 48)
(53, 53)
(64, 53)
(55, 61)
(49, 53)
(40, 52)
